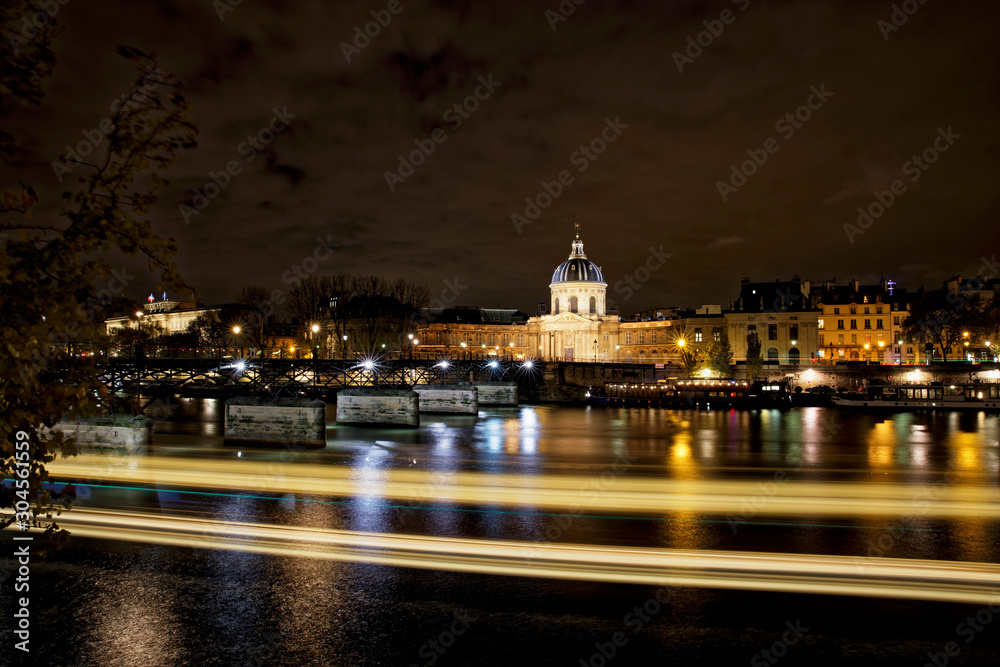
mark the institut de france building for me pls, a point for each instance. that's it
(795, 322)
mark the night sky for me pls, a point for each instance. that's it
(655, 185)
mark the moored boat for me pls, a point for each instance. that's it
(934, 396)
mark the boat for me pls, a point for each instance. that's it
(693, 394)
(933, 396)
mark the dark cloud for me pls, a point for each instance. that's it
(655, 184)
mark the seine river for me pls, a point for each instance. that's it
(100, 602)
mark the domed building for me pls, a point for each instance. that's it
(578, 327)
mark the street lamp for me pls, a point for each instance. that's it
(236, 333)
(344, 347)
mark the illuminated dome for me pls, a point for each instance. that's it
(577, 269)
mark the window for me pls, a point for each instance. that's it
(717, 334)
(772, 332)
(840, 339)
(520, 340)
(854, 324)
(896, 320)
(593, 305)
(878, 310)
(878, 323)
(697, 335)
(628, 337)
(605, 336)
(836, 311)
(868, 310)
(493, 339)
(821, 340)
(868, 324)
(880, 336)
(866, 298)
(854, 311)
(751, 329)
(868, 338)
(642, 338)
(819, 323)
(555, 311)
(854, 339)
(840, 353)
(505, 340)
(574, 305)
(793, 331)
(840, 324)
(652, 337)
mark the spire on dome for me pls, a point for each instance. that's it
(577, 244)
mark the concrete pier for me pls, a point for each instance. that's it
(283, 421)
(121, 435)
(460, 399)
(378, 407)
(497, 393)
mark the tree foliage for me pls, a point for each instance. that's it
(755, 361)
(52, 268)
(943, 318)
(719, 355)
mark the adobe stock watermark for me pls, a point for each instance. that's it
(562, 12)
(372, 29)
(697, 44)
(432, 650)
(632, 282)
(914, 168)
(900, 14)
(786, 126)
(635, 620)
(254, 144)
(454, 116)
(223, 7)
(31, 23)
(76, 155)
(581, 159)
(591, 491)
(968, 629)
(779, 649)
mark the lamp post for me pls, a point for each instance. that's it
(312, 341)
(236, 333)
(344, 348)
(135, 346)
(410, 337)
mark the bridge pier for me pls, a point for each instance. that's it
(378, 407)
(460, 399)
(282, 421)
(502, 394)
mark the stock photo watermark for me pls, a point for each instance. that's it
(915, 167)
(454, 116)
(581, 159)
(900, 14)
(249, 149)
(696, 44)
(786, 126)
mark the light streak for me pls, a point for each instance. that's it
(642, 495)
(799, 573)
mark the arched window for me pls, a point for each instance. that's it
(793, 356)
(573, 305)
(642, 356)
(772, 354)
(653, 356)
(593, 305)
(556, 311)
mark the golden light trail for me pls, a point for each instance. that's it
(799, 573)
(599, 492)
